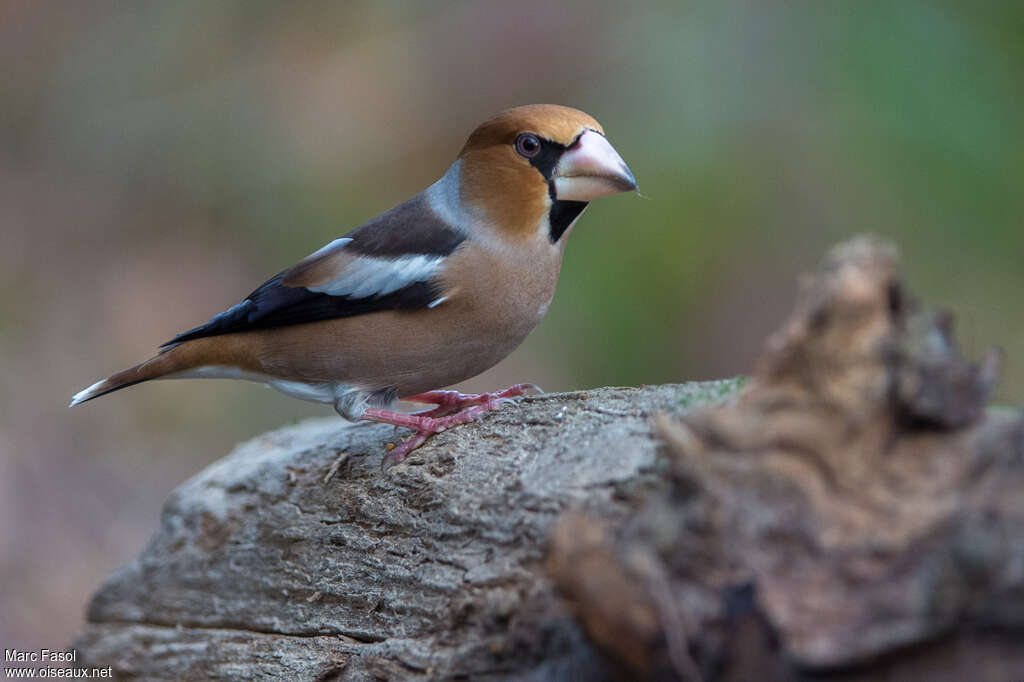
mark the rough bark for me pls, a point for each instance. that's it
(852, 512)
(431, 569)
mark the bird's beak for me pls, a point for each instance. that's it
(591, 168)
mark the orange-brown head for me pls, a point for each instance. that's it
(527, 162)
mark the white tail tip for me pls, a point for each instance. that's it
(87, 393)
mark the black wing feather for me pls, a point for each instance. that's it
(409, 228)
(276, 305)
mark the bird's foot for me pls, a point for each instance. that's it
(467, 407)
(449, 401)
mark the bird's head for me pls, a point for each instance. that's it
(536, 161)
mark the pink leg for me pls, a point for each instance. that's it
(451, 399)
(429, 422)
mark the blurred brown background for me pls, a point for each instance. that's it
(159, 160)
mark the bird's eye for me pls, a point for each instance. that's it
(527, 144)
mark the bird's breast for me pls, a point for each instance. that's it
(492, 305)
(504, 293)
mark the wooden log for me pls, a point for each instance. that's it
(851, 512)
(297, 556)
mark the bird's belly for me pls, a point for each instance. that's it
(410, 351)
(455, 352)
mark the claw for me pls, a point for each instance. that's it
(530, 387)
(396, 454)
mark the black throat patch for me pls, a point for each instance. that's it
(561, 216)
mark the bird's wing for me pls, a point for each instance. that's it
(389, 263)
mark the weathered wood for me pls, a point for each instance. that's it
(431, 569)
(853, 512)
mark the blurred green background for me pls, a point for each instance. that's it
(159, 160)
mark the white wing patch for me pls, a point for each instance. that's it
(337, 243)
(368, 276)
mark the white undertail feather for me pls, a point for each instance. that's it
(324, 392)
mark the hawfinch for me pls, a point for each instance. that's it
(430, 293)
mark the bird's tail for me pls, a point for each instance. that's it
(170, 361)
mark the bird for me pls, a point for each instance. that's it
(431, 292)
